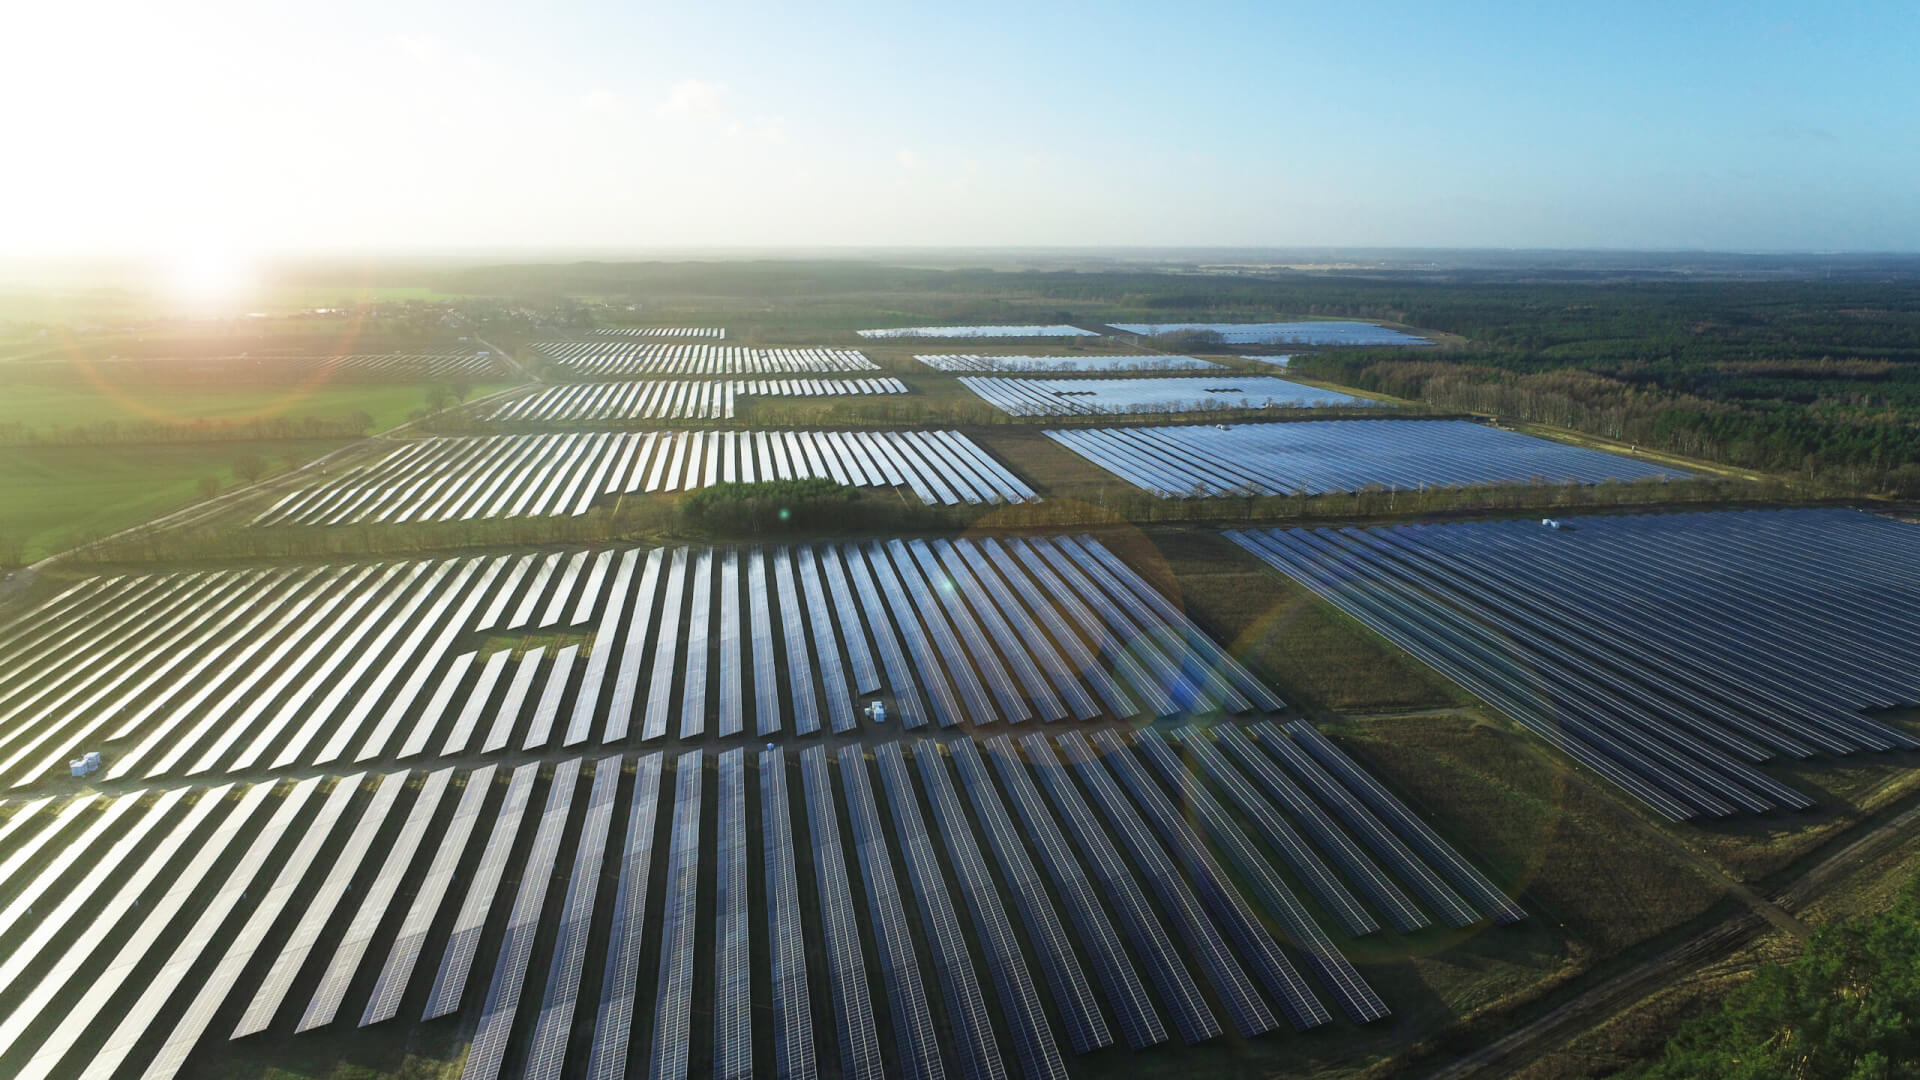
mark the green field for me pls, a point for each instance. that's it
(54, 496)
(41, 407)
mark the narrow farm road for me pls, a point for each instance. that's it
(1594, 1006)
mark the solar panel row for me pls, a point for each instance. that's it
(509, 476)
(1669, 653)
(103, 929)
(1224, 834)
(487, 1056)
(352, 947)
(917, 1047)
(1172, 853)
(973, 1043)
(793, 1049)
(620, 981)
(860, 1055)
(547, 1046)
(673, 994)
(673, 399)
(952, 631)
(622, 359)
(1055, 330)
(1020, 1002)
(390, 633)
(951, 362)
(733, 931)
(1319, 456)
(662, 331)
(132, 1022)
(1091, 397)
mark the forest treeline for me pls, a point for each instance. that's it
(1842, 1010)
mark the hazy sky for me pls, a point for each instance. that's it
(420, 124)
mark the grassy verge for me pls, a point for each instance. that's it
(1319, 658)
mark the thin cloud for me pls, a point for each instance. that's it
(695, 98)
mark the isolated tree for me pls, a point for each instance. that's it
(462, 388)
(438, 397)
(250, 468)
(1185, 341)
(13, 550)
(209, 486)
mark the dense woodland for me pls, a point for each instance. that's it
(1842, 1010)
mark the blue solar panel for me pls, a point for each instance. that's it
(852, 1008)
(1245, 1007)
(620, 982)
(966, 1007)
(487, 1055)
(1019, 1000)
(733, 934)
(673, 998)
(1176, 985)
(793, 1050)
(547, 1048)
(918, 1047)
(1318, 456)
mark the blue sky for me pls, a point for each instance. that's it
(417, 125)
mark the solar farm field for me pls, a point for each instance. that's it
(680, 399)
(382, 898)
(1057, 330)
(1065, 397)
(1671, 654)
(980, 363)
(617, 360)
(505, 476)
(227, 671)
(1050, 735)
(1341, 455)
(1329, 333)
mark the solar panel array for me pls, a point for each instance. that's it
(976, 362)
(510, 476)
(1319, 456)
(625, 359)
(679, 399)
(233, 670)
(1329, 332)
(1056, 330)
(285, 856)
(663, 331)
(1213, 393)
(1670, 653)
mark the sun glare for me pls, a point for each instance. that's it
(207, 274)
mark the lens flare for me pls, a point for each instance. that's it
(207, 273)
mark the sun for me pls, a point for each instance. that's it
(206, 274)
